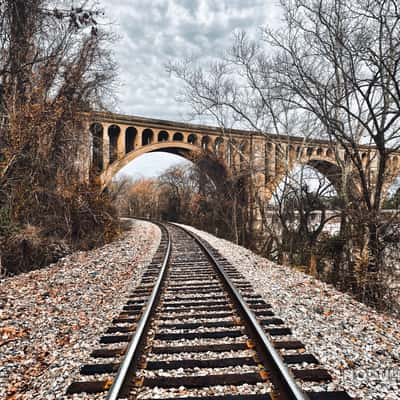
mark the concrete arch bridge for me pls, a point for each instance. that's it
(115, 140)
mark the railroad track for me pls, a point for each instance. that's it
(194, 329)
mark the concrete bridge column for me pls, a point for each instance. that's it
(280, 159)
(272, 161)
(270, 164)
(210, 143)
(121, 142)
(106, 146)
(138, 138)
(170, 135)
(223, 149)
(259, 161)
(258, 165)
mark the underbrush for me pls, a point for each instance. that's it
(51, 225)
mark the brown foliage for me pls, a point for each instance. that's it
(82, 219)
(204, 195)
(51, 70)
(30, 249)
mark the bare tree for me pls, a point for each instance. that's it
(330, 71)
(54, 65)
(337, 61)
(299, 212)
(180, 185)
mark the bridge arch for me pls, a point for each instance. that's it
(328, 168)
(183, 149)
(218, 145)
(192, 139)
(178, 137)
(130, 137)
(113, 135)
(96, 131)
(163, 136)
(205, 142)
(147, 136)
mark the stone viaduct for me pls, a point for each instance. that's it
(116, 140)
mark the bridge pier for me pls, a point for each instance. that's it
(106, 146)
(121, 141)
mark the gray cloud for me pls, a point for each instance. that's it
(154, 32)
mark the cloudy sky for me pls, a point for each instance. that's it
(154, 32)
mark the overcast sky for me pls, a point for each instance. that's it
(154, 32)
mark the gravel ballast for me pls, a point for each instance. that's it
(51, 319)
(358, 346)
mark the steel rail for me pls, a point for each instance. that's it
(291, 387)
(133, 347)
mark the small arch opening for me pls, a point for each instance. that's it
(178, 137)
(218, 144)
(242, 153)
(96, 130)
(130, 136)
(205, 142)
(147, 137)
(319, 151)
(192, 139)
(163, 136)
(113, 134)
(309, 151)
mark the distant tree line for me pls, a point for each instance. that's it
(202, 194)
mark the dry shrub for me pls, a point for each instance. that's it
(80, 219)
(30, 249)
(93, 219)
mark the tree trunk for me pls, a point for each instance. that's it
(234, 219)
(375, 288)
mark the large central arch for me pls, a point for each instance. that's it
(186, 150)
